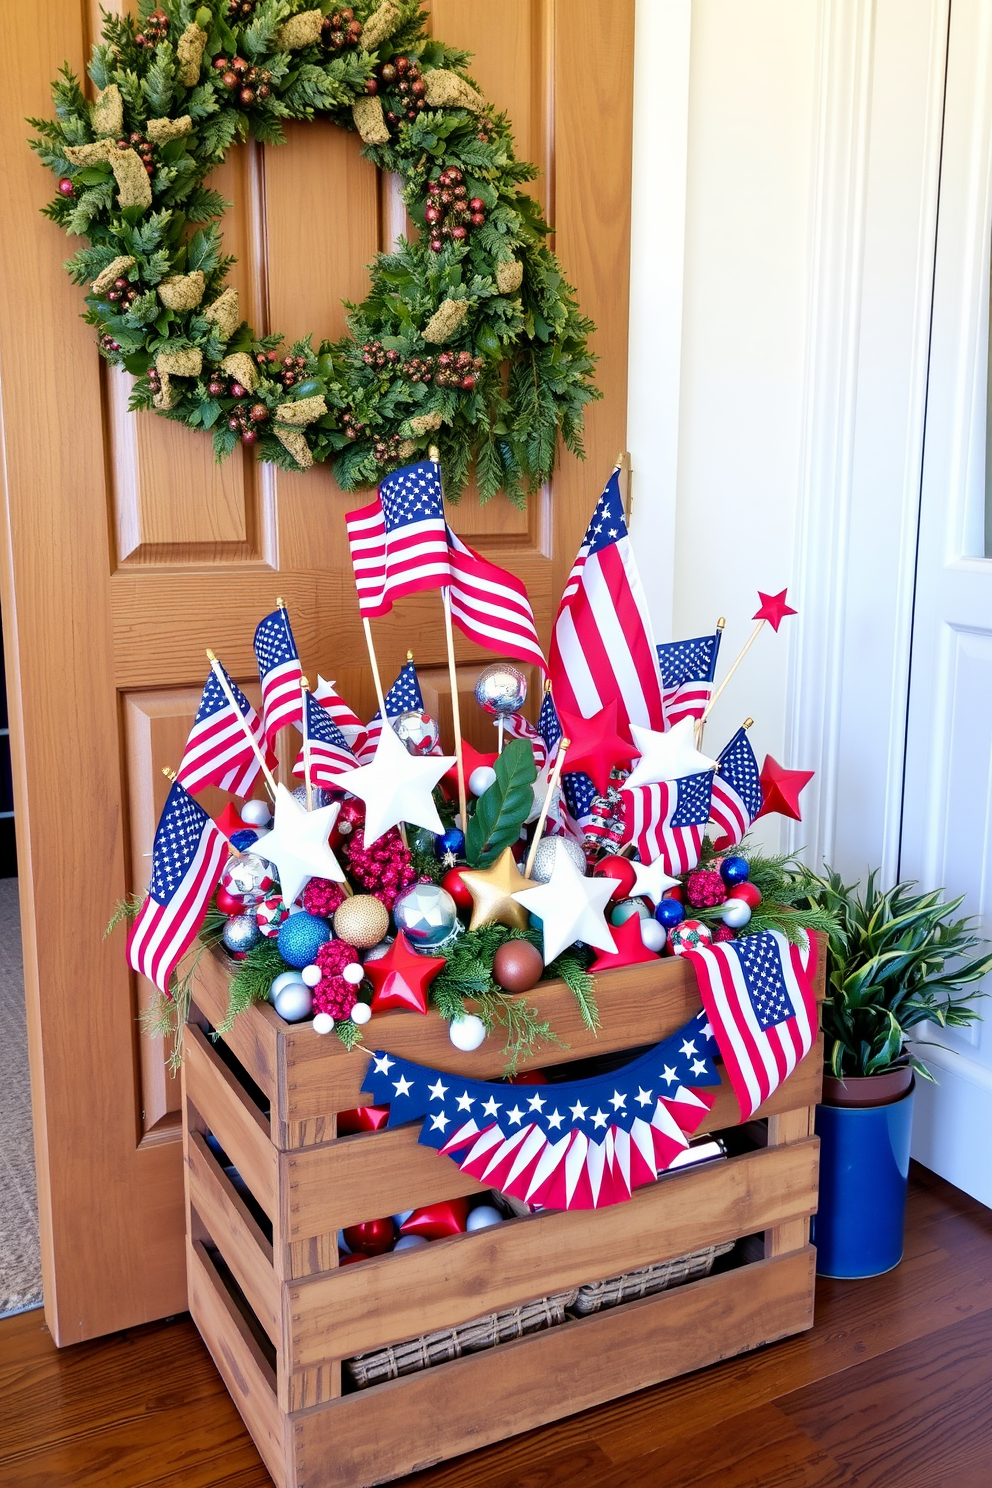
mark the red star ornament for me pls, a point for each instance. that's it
(229, 821)
(780, 789)
(472, 759)
(401, 978)
(773, 608)
(630, 947)
(595, 745)
(437, 1220)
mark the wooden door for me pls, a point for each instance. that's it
(126, 551)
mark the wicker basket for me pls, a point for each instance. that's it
(470, 1338)
(646, 1280)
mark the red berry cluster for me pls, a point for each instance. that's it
(723, 932)
(457, 369)
(109, 344)
(123, 293)
(136, 141)
(286, 369)
(352, 428)
(449, 212)
(704, 889)
(387, 449)
(401, 80)
(321, 897)
(332, 993)
(340, 29)
(66, 188)
(242, 419)
(384, 869)
(240, 10)
(448, 369)
(154, 381)
(245, 83)
(156, 30)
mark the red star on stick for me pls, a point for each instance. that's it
(229, 821)
(780, 789)
(596, 746)
(773, 608)
(401, 978)
(630, 947)
(473, 759)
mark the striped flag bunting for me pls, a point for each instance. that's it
(280, 674)
(667, 820)
(349, 723)
(329, 750)
(602, 646)
(187, 857)
(399, 542)
(687, 671)
(491, 607)
(757, 994)
(581, 1144)
(737, 793)
(218, 752)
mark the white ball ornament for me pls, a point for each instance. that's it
(735, 913)
(481, 778)
(466, 1033)
(310, 976)
(482, 1217)
(323, 1023)
(361, 1013)
(653, 935)
(284, 979)
(256, 814)
(353, 973)
(294, 1003)
(410, 1242)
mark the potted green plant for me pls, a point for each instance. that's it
(897, 960)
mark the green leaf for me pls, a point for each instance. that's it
(501, 811)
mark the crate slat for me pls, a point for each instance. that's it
(254, 1038)
(233, 1117)
(359, 1308)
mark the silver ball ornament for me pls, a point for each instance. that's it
(426, 914)
(294, 1003)
(501, 689)
(653, 936)
(419, 732)
(241, 932)
(248, 875)
(380, 949)
(284, 979)
(547, 853)
(319, 796)
(410, 1242)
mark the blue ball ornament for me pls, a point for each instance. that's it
(669, 913)
(453, 841)
(301, 937)
(243, 840)
(735, 870)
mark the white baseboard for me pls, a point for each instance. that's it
(952, 1121)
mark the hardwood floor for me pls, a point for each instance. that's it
(891, 1389)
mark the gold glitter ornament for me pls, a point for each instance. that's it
(492, 891)
(361, 921)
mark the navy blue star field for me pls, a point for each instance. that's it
(412, 494)
(693, 806)
(688, 661)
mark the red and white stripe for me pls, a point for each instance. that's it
(326, 763)
(491, 607)
(647, 822)
(282, 699)
(687, 700)
(757, 1060)
(218, 753)
(729, 813)
(387, 566)
(349, 723)
(162, 933)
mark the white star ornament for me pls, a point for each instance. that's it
(651, 881)
(396, 787)
(668, 756)
(297, 843)
(570, 908)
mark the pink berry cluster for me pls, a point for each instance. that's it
(286, 370)
(455, 369)
(156, 29)
(385, 869)
(340, 29)
(322, 897)
(449, 212)
(351, 426)
(704, 889)
(137, 141)
(332, 993)
(246, 84)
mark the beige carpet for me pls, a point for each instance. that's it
(20, 1259)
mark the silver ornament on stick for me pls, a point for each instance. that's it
(417, 731)
(501, 689)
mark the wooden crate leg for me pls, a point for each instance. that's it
(790, 1126)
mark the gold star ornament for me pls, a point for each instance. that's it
(492, 891)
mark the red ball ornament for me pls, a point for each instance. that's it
(529, 1077)
(436, 1220)
(622, 869)
(372, 1237)
(344, 1259)
(230, 904)
(452, 881)
(746, 891)
(66, 187)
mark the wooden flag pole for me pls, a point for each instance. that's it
(740, 657)
(305, 730)
(375, 668)
(456, 718)
(701, 722)
(552, 787)
(221, 676)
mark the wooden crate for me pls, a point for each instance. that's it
(279, 1316)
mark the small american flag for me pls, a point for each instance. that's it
(491, 607)
(687, 669)
(187, 857)
(349, 723)
(404, 696)
(602, 645)
(280, 674)
(329, 750)
(737, 794)
(758, 996)
(577, 788)
(668, 820)
(218, 751)
(516, 726)
(399, 543)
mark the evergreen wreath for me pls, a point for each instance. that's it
(470, 337)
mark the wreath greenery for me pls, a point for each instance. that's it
(470, 337)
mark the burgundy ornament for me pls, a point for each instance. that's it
(373, 1236)
(517, 966)
(621, 869)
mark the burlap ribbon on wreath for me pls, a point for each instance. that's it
(290, 421)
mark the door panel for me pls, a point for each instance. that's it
(127, 550)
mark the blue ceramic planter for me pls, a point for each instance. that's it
(864, 1167)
